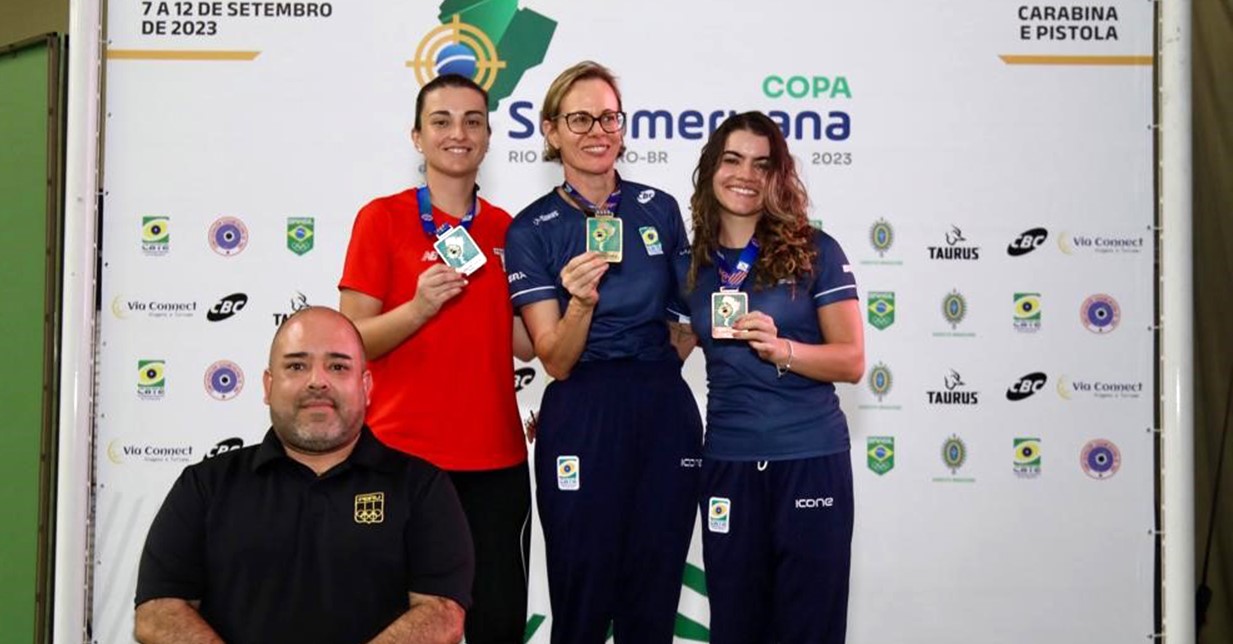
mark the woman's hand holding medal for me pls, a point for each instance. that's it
(436, 286)
(581, 275)
(759, 329)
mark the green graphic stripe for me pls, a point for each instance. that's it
(688, 629)
(694, 579)
(533, 625)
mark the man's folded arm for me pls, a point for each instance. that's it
(430, 620)
(170, 619)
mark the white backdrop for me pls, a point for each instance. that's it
(938, 127)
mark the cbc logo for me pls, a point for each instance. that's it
(227, 307)
(1027, 241)
(1026, 386)
(523, 378)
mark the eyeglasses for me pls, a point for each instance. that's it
(582, 122)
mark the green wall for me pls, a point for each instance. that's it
(25, 183)
(22, 19)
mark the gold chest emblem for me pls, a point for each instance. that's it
(370, 507)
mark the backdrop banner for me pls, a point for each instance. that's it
(987, 166)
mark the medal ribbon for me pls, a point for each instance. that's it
(730, 279)
(430, 228)
(610, 204)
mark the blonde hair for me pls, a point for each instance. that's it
(560, 87)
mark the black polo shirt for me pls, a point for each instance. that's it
(278, 554)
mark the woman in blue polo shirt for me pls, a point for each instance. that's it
(776, 480)
(619, 435)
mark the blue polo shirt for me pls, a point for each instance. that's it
(751, 413)
(634, 295)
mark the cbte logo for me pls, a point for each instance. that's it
(151, 379)
(492, 42)
(155, 235)
(1027, 312)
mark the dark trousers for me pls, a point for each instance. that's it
(616, 468)
(498, 508)
(777, 545)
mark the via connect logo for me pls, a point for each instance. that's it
(492, 42)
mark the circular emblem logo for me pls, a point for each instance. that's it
(882, 236)
(228, 236)
(954, 308)
(224, 380)
(457, 48)
(880, 380)
(954, 453)
(1100, 458)
(1100, 313)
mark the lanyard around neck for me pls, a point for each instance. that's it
(425, 205)
(610, 204)
(731, 278)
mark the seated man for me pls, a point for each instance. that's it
(318, 534)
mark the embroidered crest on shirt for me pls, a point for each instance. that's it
(568, 471)
(719, 515)
(370, 507)
(650, 239)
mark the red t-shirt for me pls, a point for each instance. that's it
(446, 394)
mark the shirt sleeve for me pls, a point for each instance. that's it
(527, 265)
(678, 308)
(440, 557)
(835, 281)
(366, 268)
(173, 560)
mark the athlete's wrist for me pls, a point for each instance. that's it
(782, 368)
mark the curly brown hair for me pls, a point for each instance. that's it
(784, 235)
